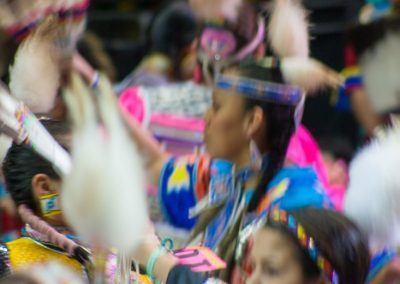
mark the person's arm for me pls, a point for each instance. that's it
(363, 111)
(166, 268)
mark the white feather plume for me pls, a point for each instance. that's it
(309, 74)
(288, 29)
(380, 69)
(372, 199)
(5, 144)
(35, 75)
(104, 197)
(215, 9)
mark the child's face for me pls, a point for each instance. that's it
(274, 259)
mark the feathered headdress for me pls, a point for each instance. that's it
(51, 30)
(372, 199)
(108, 173)
(377, 46)
(35, 75)
(19, 17)
(288, 29)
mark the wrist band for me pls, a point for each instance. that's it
(152, 261)
(156, 255)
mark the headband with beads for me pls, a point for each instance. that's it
(269, 91)
(306, 242)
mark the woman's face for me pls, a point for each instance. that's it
(225, 131)
(274, 259)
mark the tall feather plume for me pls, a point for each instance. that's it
(107, 172)
(216, 9)
(35, 75)
(380, 69)
(309, 74)
(288, 29)
(372, 199)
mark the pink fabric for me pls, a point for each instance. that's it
(173, 121)
(131, 101)
(304, 151)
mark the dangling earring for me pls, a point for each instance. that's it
(255, 156)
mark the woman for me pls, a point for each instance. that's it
(34, 186)
(252, 109)
(172, 44)
(309, 246)
(302, 246)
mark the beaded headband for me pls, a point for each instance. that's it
(306, 242)
(272, 92)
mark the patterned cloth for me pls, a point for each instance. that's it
(25, 251)
(190, 184)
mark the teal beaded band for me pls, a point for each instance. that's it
(152, 261)
(156, 255)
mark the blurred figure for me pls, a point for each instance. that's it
(172, 49)
(372, 202)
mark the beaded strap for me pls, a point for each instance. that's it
(305, 241)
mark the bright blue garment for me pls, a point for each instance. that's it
(187, 182)
(303, 189)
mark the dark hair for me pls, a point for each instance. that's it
(173, 30)
(337, 238)
(279, 127)
(21, 164)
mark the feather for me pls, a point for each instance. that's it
(216, 9)
(35, 75)
(309, 74)
(288, 29)
(380, 69)
(5, 144)
(372, 199)
(19, 17)
(108, 173)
